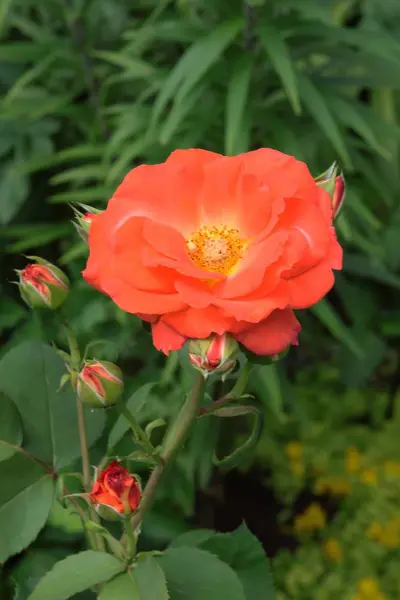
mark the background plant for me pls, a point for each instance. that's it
(91, 88)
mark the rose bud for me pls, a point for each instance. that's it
(115, 492)
(332, 181)
(42, 285)
(215, 354)
(100, 383)
(83, 219)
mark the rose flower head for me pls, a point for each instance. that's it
(205, 244)
(115, 492)
(42, 284)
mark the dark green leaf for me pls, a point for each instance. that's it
(244, 553)
(26, 490)
(47, 414)
(194, 574)
(275, 47)
(75, 574)
(10, 428)
(134, 404)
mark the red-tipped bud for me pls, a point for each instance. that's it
(83, 219)
(43, 285)
(115, 492)
(215, 354)
(100, 383)
(333, 182)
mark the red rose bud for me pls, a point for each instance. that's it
(332, 181)
(42, 285)
(115, 492)
(83, 219)
(100, 383)
(215, 354)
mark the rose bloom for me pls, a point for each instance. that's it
(115, 488)
(205, 244)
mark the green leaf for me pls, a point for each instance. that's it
(275, 47)
(327, 315)
(13, 191)
(195, 537)
(10, 428)
(75, 574)
(244, 553)
(31, 568)
(243, 451)
(150, 580)
(362, 266)
(238, 91)
(30, 375)
(26, 496)
(134, 404)
(318, 109)
(194, 574)
(121, 587)
(195, 63)
(267, 385)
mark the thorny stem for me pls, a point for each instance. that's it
(235, 393)
(84, 444)
(30, 457)
(172, 443)
(138, 432)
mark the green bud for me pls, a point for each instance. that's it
(43, 285)
(100, 383)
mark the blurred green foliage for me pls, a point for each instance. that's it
(91, 88)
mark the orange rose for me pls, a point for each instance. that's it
(115, 488)
(205, 244)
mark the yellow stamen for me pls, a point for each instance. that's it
(216, 248)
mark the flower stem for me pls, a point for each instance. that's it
(131, 539)
(174, 440)
(84, 444)
(139, 435)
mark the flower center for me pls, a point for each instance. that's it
(216, 248)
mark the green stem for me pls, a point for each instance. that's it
(174, 440)
(73, 348)
(241, 383)
(84, 444)
(131, 539)
(138, 432)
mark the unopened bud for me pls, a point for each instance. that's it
(100, 383)
(332, 181)
(83, 219)
(43, 285)
(115, 492)
(215, 354)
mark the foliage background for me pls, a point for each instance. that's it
(91, 88)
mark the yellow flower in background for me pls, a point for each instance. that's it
(387, 535)
(314, 517)
(368, 589)
(333, 550)
(352, 460)
(297, 467)
(391, 468)
(338, 486)
(374, 531)
(369, 476)
(390, 536)
(294, 451)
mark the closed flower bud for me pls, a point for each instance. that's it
(83, 219)
(100, 383)
(332, 181)
(115, 492)
(42, 285)
(215, 354)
